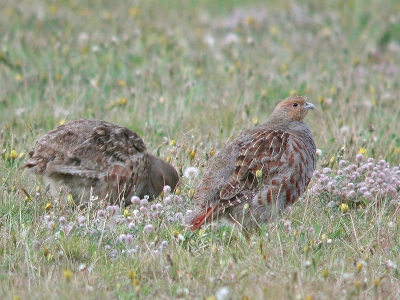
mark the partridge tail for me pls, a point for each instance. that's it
(199, 221)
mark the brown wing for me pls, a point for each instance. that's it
(263, 153)
(108, 141)
(83, 147)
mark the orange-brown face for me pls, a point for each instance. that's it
(294, 108)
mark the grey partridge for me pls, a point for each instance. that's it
(260, 172)
(100, 158)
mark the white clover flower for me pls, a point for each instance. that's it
(135, 200)
(222, 294)
(47, 218)
(132, 251)
(128, 240)
(167, 200)
(359, 157)
(167, 190)
(51, 225)
(113, 209)
(191, 173)
(101, 213)
(180, 238)
(62, 221)
(121, 238)
(391, 265)
(82, 267)
(149, 228)
(178, 199)
(81, 220)
(144, 202)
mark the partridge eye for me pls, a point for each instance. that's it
(295, 104)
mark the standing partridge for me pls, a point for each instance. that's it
(99, 158)
(262, 171)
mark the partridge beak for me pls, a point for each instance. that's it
(309, 106)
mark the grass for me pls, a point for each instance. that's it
(187, 76)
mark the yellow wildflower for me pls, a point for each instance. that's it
(362, 151)
(70, 199)
(344, 207)
(52, 9)
(68, 274)
(13, 154)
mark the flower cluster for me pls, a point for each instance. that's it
(121, 227)
(361, 181)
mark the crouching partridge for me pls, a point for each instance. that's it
(260, 172)
(92, 157)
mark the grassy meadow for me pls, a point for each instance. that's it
(187, 76)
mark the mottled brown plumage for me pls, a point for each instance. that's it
(109, 161)
(260, 172)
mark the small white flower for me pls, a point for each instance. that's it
(191, 173)
(135, 200)
(348, 276)
(391, 265)
(167, 200)
(319, 152)
(95, 48)
(178, 199)
(144, 202)
(222, 293)
(231, 38)
(121, 238)
(149, 228)
(129, 240)
(132, 251)
(180, 238)
(345, 131)
(167, 189)
(307, 263)
(81, 220)
(62, 221)
(82, 267)
(47, 218)
(51, 225)
(101, 213)
(113, 209)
